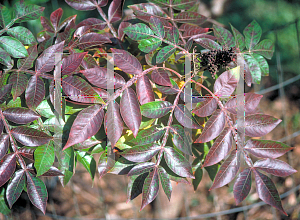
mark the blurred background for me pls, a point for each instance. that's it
(106, 198)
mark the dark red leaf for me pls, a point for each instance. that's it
(190, 17)
(71, 63)
(82, 5)
(7, 167)
(88, 62)
(20, 115)
(267, 191)
(55, 18)
(207, 43)
(1, 126)
(35, 92)
(165, 181)
(27, 152)
(259, 125)
(15, 187)
(86, 124)
(206, 108)
(225, 84)
(5, 92)
(27, 63)
(114, 123)
(141, 153)
(141, 168)
(98, 76)
(19, 83)
(213, 127)
(130, 110)
(53, 171)
(115, 11)
(37, 192)
(242, 186)
(126, 22)
(127, 62)
(67, 21)
(4, 143)
(266, 148)
(227, 171)
(249, 105)
(46, 61)
(105, 163)
(181, 140)
(275, 167)
(89, 24)
(102, 93)
(91, 40)
(220, 148)
(150, 188)
(47, 25)
(185, 117)
(161, 77)
(177, 163)
(144, 90)
(67, 33)
(77, 89)
(30, 136)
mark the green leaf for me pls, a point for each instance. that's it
(165, 53)
(182, 141)
(265, 48)
(150, 188)
(156, 109)
(5, 16)
(198, 177)
(149, 45)
(44, 158)
(212, 171)
(254, 68)
(239, 38)
(263, 64)
(88, 162)
(22, 34)
(25, 12)
(3, 207)
(224, 36)
(44, 109)
(149, 135)
(139, 31)
(165, 181)
(252, 34)
(135, 186)
(13, 46)
(11, 104)
(5, 59)
(173, 35)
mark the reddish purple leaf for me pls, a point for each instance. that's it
(130, 110)
(181, 140)
(224, 36)
(71, 63)
(141, 153)
(53, 171)
(27, 153)
(249, 105)
(7, 167)
(213, 127)
(37, 192)
(144, 90)
(6, 90)
(55, 18)
(150, 188)
(227, 171)
(15, 187)
(65, 35)
(115, 11)
(86, 124)
(259, 125)
(127, 62)
(225, 84)
(266, 148)
(242, 186)
(46, 61)
(206, 108)
(20, 115)
(67, 21)
(47, 24)
(4, 143)
(161, 77)
(220, 148)
(77, 89)
(91, 40)
(141, 168)
(88, 62)
(267, 191)
(98, 76)
(125, 23)
(27, 63)
(19, 83)
(82, 5)
(30, 136)
(35, 92)
(177, 163)
(88, 24)
(102, 3)
(185, 117)
(275, 167)
(1, 126)
(190, 17)
(194, 31)
(114, 123)
(105, 163)
(207, 43)
(165, 181)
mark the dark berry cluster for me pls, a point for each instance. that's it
(215, 59)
